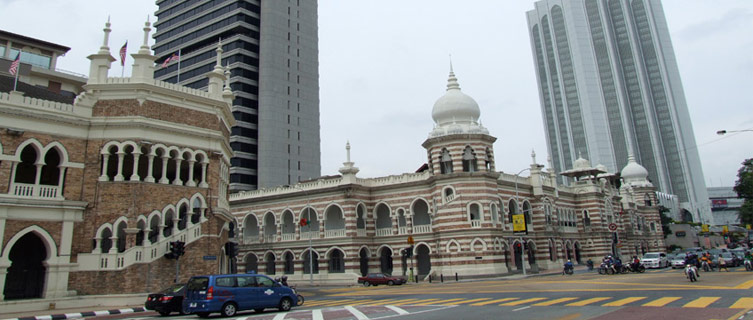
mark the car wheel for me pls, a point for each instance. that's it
(389, 283)
(259, 310)
(164, 313)
(203, 314)
(228, 309)
(286, 304)
(366, 284)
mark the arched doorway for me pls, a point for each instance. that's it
(569, 250)
(363, 257)
(518, 252)
(531, 249)
(26, 274)
(423, 259)
(506, 253)
(577, 253)
(385, 260)
(252, 263)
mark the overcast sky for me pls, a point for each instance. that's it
(384, 63)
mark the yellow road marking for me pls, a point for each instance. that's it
(661, 302)
(587, 301)
(336, 302)
(701, 302)
(492, 301)
(369, 302)
(400, 302)
(438, 302)
(519, 302)
(318, 302)
(745, 285)
(465, 301)
(553, 302)
(622, 302)
(416, 301)
(743, 303)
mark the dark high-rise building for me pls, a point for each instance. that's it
(271, 50)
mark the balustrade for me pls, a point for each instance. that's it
(334, 233)
(383, 232)
(422, 228)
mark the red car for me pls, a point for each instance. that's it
(380, 278)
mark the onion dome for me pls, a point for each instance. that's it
(456, 112)
(634, 173)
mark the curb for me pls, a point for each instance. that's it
(78, 315)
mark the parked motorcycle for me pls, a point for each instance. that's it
(637, 269)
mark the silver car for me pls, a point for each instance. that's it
(655, 260)
(677, 261)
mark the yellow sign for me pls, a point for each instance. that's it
(725, 229)
(747, 226)
(705, 228)
(518, 223)
(410, 240)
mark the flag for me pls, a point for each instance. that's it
(174, 57)
(14, 66)
(123, 50)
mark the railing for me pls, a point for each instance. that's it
(288, 236)
(384, 232)
(334, 233)
(402, 230)
(422, 228)
(361, 232)
(270, 238)
(35, 191)
(309, 234)
(251, 239)
(475, 223)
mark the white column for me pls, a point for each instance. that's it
(160, 233)
(203, 183)
(190, 181)
(146, 242)
(119, 176)
(97, 245)
(175, 224)
(105, 161)
(38, 177)
(164, 180)
(114, 246)
(150, 169)
(59, 194)
(135, 174)
(177, 180)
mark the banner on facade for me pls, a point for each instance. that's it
(705, 228)
(519, 223)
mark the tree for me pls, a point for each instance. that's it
(744, 189)
(665, 221)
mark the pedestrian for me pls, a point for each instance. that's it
(722, 263)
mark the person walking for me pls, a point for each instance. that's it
(722, 264)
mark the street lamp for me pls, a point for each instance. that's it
(723, 132)
(308, 219)
(517, 209)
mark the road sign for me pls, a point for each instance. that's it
(725, 229)
(518, 223)
(410, 239)
(705, 228)
(612, 227)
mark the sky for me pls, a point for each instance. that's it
(383, 64)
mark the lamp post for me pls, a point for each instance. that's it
(723, 132)
(308, 220)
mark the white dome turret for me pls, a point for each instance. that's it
(635, 174)
(456, 112)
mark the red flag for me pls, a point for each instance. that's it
(123, 50)
(14, 66)
(174, 57)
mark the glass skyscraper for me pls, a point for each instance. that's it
(609, 87)
(271, 49)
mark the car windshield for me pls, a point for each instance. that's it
(651, 256)
(173, 289)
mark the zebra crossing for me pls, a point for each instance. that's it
(696, 302)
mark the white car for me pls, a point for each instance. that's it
(655, 260)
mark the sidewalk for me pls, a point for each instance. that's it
(88, 306)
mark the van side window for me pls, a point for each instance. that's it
(225, 282)
(247, 281)
(265, 282)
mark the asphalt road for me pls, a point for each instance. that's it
(656, 294)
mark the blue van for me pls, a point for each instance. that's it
(230, 293)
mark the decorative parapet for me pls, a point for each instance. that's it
(161, 84)
(394, 179)
(35, 103)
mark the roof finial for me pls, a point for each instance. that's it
(533, 155)
(452, 82)
(145, 46)
(347, 149)
(105, 48)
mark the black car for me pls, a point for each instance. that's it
(168, 300)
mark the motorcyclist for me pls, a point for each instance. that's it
(636, 263)
(690, 268)
(706, 261)
(568, 266)
(590, 264)
(748, 259)
(617, 264)
(284, 281)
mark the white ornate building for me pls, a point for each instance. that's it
(458, 209)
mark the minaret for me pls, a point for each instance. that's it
(101, 61)
(227, 93)
(143, 60)
(217, 75)
(348, 170)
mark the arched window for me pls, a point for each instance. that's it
(474, 214)
(586, 218)
(168, 229)
(106, 242)
(26, 170)
(336, 262)
(196, 211)
(445, 162)
(269, 259)
(488, 163)
(307, 263)
(513, 207)
(141, 225)
(383, 220)
(289, 263)
(120, 233)
(51, 168)
(251, 229)
(252, 263)
(154, 229)
(183, 216)
(647, 199)
(360, 219)
(469, 160)
(527, 212)
(494, 211)
(270, 227)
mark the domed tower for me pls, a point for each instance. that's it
(458, 142)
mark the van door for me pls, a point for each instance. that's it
(247, 292)
(268, 292)
(225, 289)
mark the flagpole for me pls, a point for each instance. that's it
(179, 58)
(15, 82)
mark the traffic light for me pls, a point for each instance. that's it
(180, 248)
(409, 252)
(231, 249)
(171, 254)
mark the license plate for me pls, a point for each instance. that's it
(192, 305)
